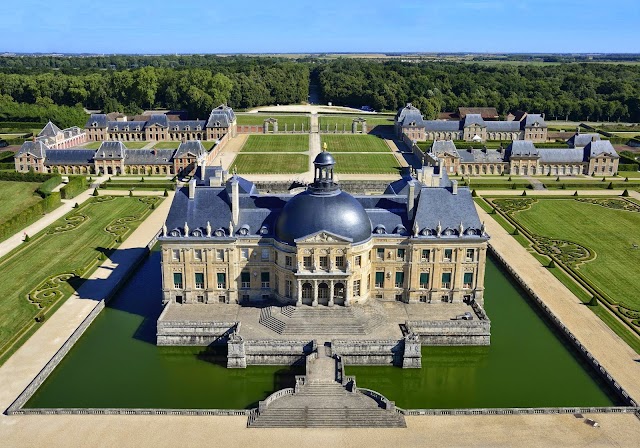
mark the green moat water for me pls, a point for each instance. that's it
(116, 364)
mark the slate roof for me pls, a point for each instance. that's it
(149, 156)
(183, 124)
(221, 116)
(482, 156)
(440, 147)
(582, 140)
(472, 119)
(192, 146)
(69, 157)
(560, 155)
(126, 126)
(503, 126)
(37, 149)
(409, 116)
(158, 119)
(111, 150)
(522, 148)
(49, 130)
(532, 119)
(99, 119)
(602, 147)
(484, 112)
(441, 125)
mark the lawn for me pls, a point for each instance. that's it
(166, 145)
(629, 174)
(16, 196)
(71, 245)
(288, 120)
(130, 145)
(276, 143)
(366, 164)
(354, 143)
(609, 233)
(344, 122)
(273, 164)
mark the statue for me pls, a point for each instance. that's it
(164, 229)
(324, 146)
(186, 229)
(208, 229)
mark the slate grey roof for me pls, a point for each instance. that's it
(531, 119)
(191, 147)
(111, 150)
(100, 121)
(503, 126)
(192, 125)
(523, 148)
(69, 157)
(602, 147)
(158, 119)
(471, 119)
(221, 116)
(561, 155)
(440, 147)
(482, 156)
(37, 149)
(582, 140)
(441, 125)
(149, 156)
(125, 126)
(49, 130)
(400, 187)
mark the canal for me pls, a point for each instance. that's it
(116, 363)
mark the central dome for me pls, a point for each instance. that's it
(308, 213)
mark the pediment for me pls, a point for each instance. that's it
(323, 236)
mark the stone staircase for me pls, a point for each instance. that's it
(322, 320)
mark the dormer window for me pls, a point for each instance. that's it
(115, 128)
(94, 124)
(176, 128)
(137, 128)
(198, 128)
(187, 128)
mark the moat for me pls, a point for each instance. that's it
(117, 364)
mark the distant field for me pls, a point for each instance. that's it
(288, 120)
(366, 164)
(271, 164)
(276, 143)
(354, 143)
(16, 196)
(345, 122)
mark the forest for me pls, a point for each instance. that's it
(586, 91)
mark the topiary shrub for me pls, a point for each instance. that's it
(576, 193)
(515, 231)
(130, 193)
(603, 179)
(473, 193)
(509, 179)
(610, 186)
(76, 205)
(593, 301)
(625, 193)
(552, 264)
(558, 179)
(513, 186)
(153, 206)
(563, 187)
(142, 179)
(524, 193)
(95, 192)
(26, 238)
(626, 179)
(166, 193)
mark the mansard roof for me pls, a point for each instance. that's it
(523, 148)
(561, 155)
(582, 140)
(221, 116)
(111, 150)
(183, 125)
(482, 156)
(148, 156)
(440, 147)
(503, 126)
(126, 126)
(472, 119)
(532, 120)
(441, 125)
(100, 121)
(159, 120)
(69, 157)
(409, 116)
(601, 147)
(193, 147)
(36, 149)
(49, 130)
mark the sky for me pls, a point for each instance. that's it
(300, 26)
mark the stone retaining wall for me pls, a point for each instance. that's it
(277, 352)
(373, 352)
(458, 332)
(593, 362)
(520, 411)
(350, 186)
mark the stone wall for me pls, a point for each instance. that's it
(371, 352)
(350, 186)
(181, 333)
(268, 352)
(457, 332)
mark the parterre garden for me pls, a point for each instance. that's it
(595, 240)
(37, 276)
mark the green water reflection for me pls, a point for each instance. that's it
(116, 364)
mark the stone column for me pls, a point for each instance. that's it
(299, 291)
(315, 293)
(330, 292)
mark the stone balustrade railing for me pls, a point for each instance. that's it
(262, 405)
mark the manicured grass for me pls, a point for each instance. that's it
(288, 120)
(276, 143)
(366, 164)
(74, 248)
(16, 196)
(130, 145)
(629, 174)
(354, 143)
(610, 233)
(167, 145)
(272, 164)
(345, 122)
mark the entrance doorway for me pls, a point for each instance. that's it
(338, 294)
(307, 294)
(323, 294)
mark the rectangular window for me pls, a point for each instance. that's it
(358, 260)
(199, 280)
(177, 280)
(307, 262)
(426, 255)
(222, 280)
(245, 280)
(244, 254)
(399, 279)
(447, 254)
(446, 280)
(471, 254)
(340, 262)
(401, 253)
(197, 254)
(275, 257)
(265, 255)
(175, 255)
(264, 279)
(424, 280)
(288, 261)
(356, 288)
(380, 279)
(220, 254)
(288, 288)
(324, 262)
(380, 253)
(468, 280)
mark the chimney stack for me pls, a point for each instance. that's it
(454, 187)
(411, 199)
(235, 201)
(192, 189)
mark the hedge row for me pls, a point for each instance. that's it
(7, 166)
(19, 140)
(47, 187)
(26, 177)
(138, 185)
(29, 215)
(6, 155)
(23, 125)
(76, 185)
(628, 167)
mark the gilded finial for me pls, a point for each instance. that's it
(324, 146)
